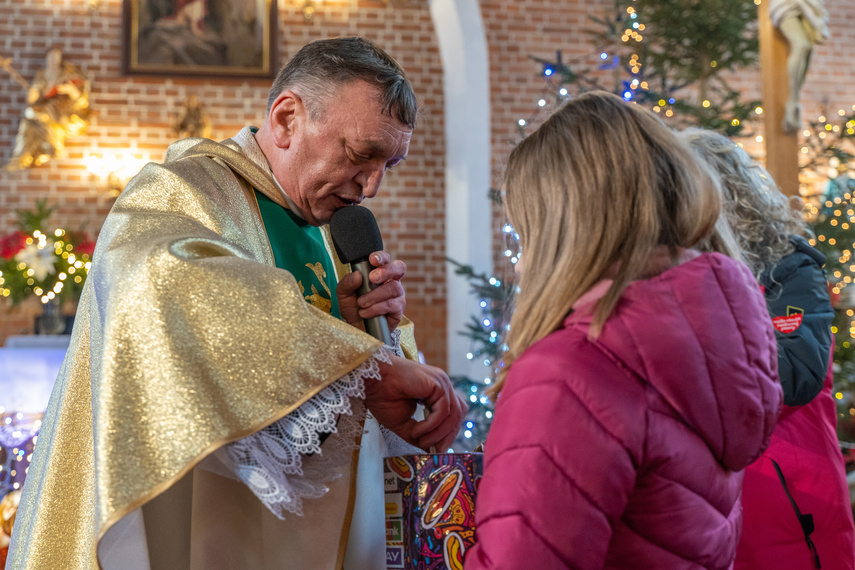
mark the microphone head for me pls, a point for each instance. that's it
(355, 233)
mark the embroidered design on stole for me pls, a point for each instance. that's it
(316, 299)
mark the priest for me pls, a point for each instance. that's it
(219, 406)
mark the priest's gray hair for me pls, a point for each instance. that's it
(322, 66)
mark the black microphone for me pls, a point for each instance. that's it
(356, 236)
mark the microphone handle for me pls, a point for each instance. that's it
(375, 326)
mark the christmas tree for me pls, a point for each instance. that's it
(486, 332)
(672, 57)
(827, 165)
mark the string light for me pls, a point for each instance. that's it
(43, 265)
(18, 438)
(491, 328)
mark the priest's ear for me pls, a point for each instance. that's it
(287, 115)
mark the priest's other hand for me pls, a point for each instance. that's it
(387, 299)
(404, 384)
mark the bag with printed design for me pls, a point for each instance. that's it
(430, 509)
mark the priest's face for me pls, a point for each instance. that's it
(339, 158)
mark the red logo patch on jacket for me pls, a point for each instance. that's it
(789, 322)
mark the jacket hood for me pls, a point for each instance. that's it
(700, 335)
(791, 262)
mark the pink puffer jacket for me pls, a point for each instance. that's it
(628, 451)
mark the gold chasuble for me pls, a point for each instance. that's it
(187, 337)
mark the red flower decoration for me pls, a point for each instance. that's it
(12, 244)
(86, 248)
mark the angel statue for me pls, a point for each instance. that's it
(57, 107)
(192, 121)
(804, 23)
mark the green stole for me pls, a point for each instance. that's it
(299, 249)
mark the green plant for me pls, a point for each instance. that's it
(42, 262)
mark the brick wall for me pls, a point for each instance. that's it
(132, 117)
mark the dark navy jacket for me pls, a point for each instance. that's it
(797, 284)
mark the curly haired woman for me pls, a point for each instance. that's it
(802, 471)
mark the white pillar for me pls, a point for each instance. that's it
(465, 68)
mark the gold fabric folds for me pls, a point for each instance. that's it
(187, 337)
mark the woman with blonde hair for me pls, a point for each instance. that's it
(802, 473)
(640, 377)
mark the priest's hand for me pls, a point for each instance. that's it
(386, 300)
(404, 384)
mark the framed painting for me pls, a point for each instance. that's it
(205, 38)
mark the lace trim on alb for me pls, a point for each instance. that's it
(285, 463)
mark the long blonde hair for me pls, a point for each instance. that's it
(755, 210)
(592, 193)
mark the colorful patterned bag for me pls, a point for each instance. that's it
(430, 509)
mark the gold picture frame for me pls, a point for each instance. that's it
(203, 38)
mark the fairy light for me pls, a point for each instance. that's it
(43, 265)
(490, 345)
(18, 441)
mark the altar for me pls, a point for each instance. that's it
(28, 368)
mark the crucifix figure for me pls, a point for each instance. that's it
(804, 23)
